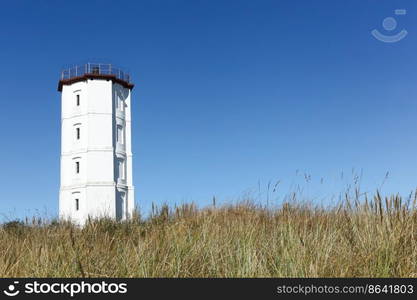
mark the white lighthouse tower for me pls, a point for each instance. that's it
(96, 154)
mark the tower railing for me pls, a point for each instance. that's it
(94, 69)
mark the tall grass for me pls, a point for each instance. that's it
(372, 238)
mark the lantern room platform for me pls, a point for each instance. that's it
(94, 71)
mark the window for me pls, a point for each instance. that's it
(122, 169)
(121, 104)
(120, 175)
(78, 100)
(119, 135)
(77, 167)
(76, 196)
(77, 132)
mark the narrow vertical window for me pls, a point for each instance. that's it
(77, 167)
(119, 102)
(77, 204)
(78, 100)
(78, 133)
(122, 169)
(119, 135)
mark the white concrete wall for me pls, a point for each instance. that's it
(103, 105)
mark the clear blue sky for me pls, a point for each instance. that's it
(229, 96)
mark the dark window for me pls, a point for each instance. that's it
(119, 134)
(77, 204)
(77, 167)
(78, 100)
(78, 133)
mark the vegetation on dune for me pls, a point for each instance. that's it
(371, 238)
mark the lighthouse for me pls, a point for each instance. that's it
(96, 148)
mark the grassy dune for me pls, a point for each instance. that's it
(375, 238)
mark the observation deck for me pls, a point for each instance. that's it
(94, 71)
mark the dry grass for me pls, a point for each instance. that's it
(375, 238)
